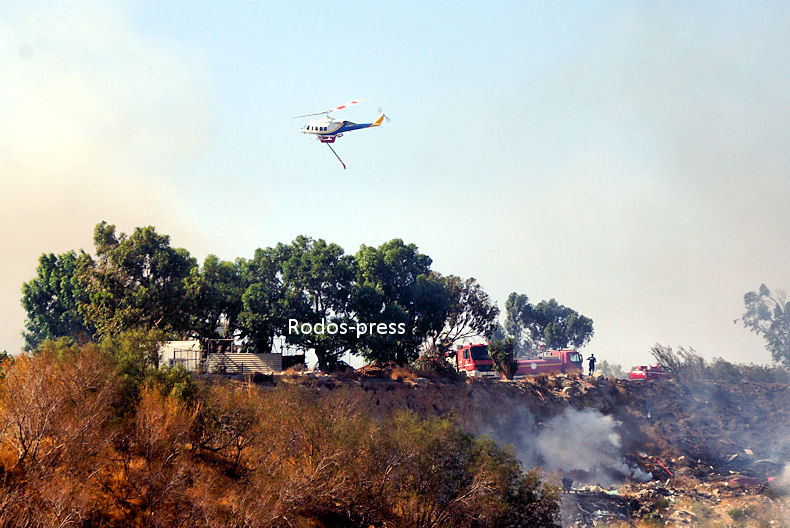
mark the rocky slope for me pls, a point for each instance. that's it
(696, 453)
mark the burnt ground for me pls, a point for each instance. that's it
(724, 444)
(707, 428)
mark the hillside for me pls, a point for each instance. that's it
(723, 446)
(91, 436)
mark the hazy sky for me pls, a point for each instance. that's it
(630, 160)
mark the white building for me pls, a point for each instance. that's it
(192, 356)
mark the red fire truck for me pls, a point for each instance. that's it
(647, 372)
(475, 361)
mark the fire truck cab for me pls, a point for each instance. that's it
(475, 361)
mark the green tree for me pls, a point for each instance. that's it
(471, 314)
(768, 315)
(262, 315)
(611, 370)
(395, 286)
(557, 326)
(135, 353)
(517, 308)
(215, 295)
(138, 281)
(51, 300)
(318, 278)
(497, 332)
(5, 361)
(502, 355)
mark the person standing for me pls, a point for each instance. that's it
(591, 364)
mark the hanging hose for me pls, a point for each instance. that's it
(335, 153)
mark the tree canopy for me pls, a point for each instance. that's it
(137, 281)
(515, 306)
(471, 313)
(318, 278)
(394, 285)
(390, 299)
(768, 315)
(261, 315)
(214, 292)
(52, 299)
(548, 322)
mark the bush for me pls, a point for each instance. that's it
(501, 353)
(740, 513)
(136, 357)
(686, 365)
(6, 360)
(433, 367)
(280, 456)
(172, 381)
(56, 425)
(612, 370)
(701, 510)
(722, 370)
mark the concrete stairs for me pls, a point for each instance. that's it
(243, 363)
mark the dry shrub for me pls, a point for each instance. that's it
(50, 408)
(401, 373)
(329, 463)
(238, 455)
(162, 427)
(436, 369)
(155, 466)
(228, 422)
(687, 366)
(386, 370)
(346, 374)
(55, 410)
(296, 369)
(147, 476)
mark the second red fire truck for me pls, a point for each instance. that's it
(475, 361)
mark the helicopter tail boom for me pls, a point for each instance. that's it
(378, 121)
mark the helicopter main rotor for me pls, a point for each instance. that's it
(335, 109)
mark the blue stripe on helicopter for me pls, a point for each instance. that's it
(346, 127)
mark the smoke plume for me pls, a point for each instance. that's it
(582, 444)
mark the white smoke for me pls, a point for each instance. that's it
(95, 116)
(579, 440)
(585, 441)
(782, 482)
(583, 444)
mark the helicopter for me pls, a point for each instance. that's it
(328, 129)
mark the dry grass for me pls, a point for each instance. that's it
(400, 373)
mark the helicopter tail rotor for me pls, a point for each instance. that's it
(385, 115)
